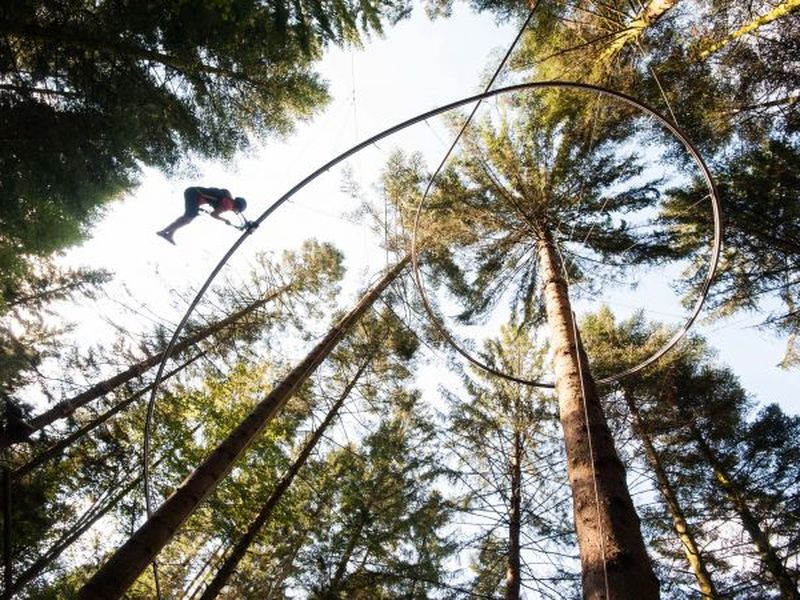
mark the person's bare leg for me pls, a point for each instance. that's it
(170, 229)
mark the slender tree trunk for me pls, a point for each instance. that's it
(285, 567)
(513, 567)
(125, 565)
(191, 590)
(650, 12)
(780, 10)
(58, 448)
(614, 560)
(70, 405)
(769, 556)
(344, 559)
(8, 572)
(690, 547)
(83, 525)
(229, 566)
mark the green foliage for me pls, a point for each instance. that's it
(93, 91)
(537, 172)
(761, 259)
(30, 332)
(727, 464)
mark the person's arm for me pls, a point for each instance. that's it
(216, 214)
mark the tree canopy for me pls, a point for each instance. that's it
(314, 441)
(92, 92)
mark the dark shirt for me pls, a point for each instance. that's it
(218, 198)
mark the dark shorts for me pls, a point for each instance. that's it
(191, 202)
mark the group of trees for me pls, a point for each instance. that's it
(332, 476)
(92, 92)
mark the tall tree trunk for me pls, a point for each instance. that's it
(513, 567)
(7, 562)
(690, 547)
(239, 550)
(58, 448)
(122, 569)
(781, 9)
(70, 405)
(769, 556)
(614, 561)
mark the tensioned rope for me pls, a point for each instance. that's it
(576, 340)
(421, 118)
(409, 122)
(215, 271)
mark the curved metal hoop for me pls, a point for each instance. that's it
(384, 134)
(713, 261)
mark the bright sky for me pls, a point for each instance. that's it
(418, 66)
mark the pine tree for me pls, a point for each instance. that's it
(381, 536)
(511, 189)
(512, 471)
(91, 92)
(722, 467)
(134, 556)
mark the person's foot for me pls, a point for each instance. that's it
(166, 235)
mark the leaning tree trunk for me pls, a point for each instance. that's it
(778, 11)
(769, 556)
(344, 559)
(86, 522)
(614, 561)
(70, 405)
(125, 565)
(58, 448)
(239, 550)
(514, 521)
(690, 547)
(633, 30)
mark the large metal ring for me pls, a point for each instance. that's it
(715, 251)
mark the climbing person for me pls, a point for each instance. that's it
(220, 201)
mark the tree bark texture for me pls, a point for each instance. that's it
(691, 549)
(128, 562)
(514, 521)
(232, 561)
(769, 556)
(70, 405)
(614, 561)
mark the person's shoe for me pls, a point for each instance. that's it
(167, 236)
